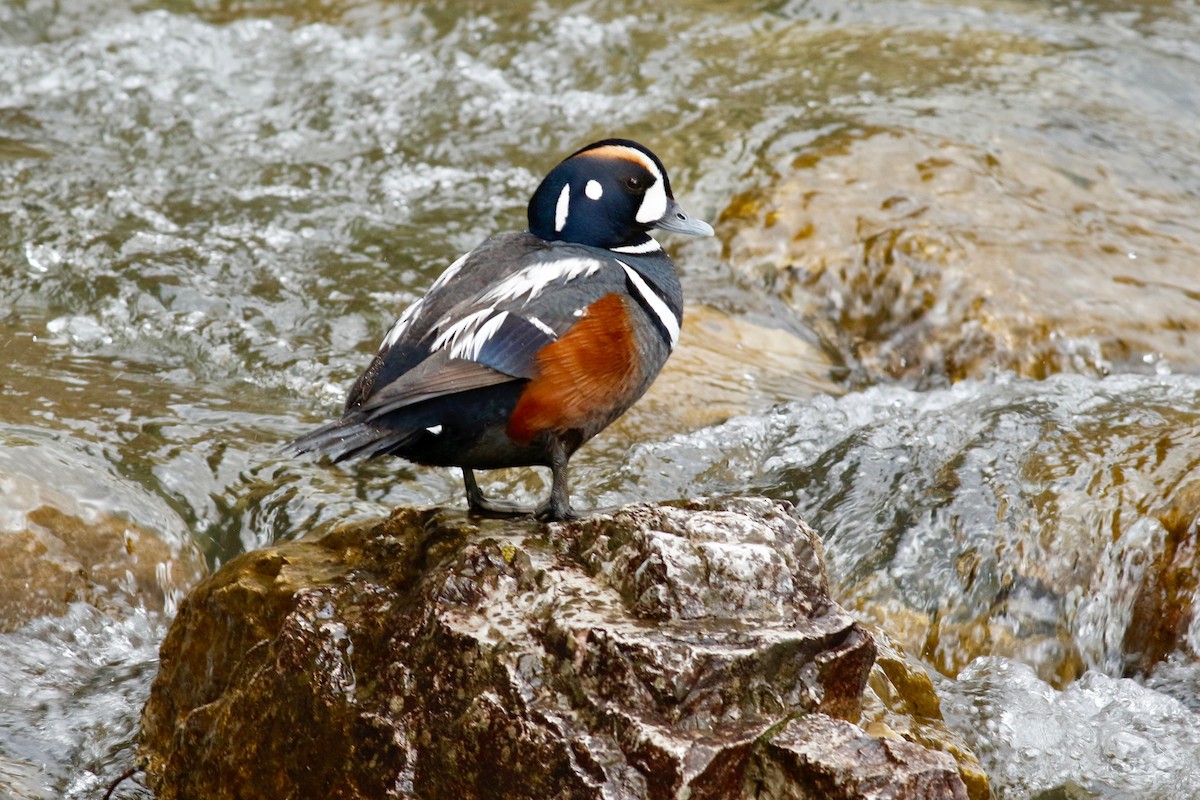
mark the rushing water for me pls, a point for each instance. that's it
(212, 211)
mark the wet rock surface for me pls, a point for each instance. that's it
(643, 653)
(901, 703)
(818, 757)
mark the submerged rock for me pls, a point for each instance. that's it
(1168, 586)
(919, 257)
(1055, 522)
(656, 651)
(901, 703)
(729, 366)
(55, 558)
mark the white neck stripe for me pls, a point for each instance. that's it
(650, 246)
(666, 316)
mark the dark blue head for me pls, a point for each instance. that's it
(609, 194)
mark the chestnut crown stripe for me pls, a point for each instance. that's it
(627, 153)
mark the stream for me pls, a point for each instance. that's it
(950, 313)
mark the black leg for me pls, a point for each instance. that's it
(478, 504)
(558, 507)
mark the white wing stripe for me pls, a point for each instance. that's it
(464, 327)
(401, 325)
(533, 280)
(472, 343)
(665, 316)
(543, 327)
(449, 273)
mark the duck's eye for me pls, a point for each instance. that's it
(633, 182)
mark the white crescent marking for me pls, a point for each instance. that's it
(463, 327)
(562, 208)
(654, 203)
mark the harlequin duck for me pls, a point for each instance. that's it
(533, 342)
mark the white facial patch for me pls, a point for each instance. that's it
(562, 208)
(532, 280)
(654, 202)
(665, 316)
(434, 429)
(593, 190)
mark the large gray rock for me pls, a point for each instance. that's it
(657, 652)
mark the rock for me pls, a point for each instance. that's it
(655, 651)
(919, 257)
(728, 365)
(827, 759)
(1164, 602)
(56, 558)
(902, 703)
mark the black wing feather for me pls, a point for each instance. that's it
(513, 348)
